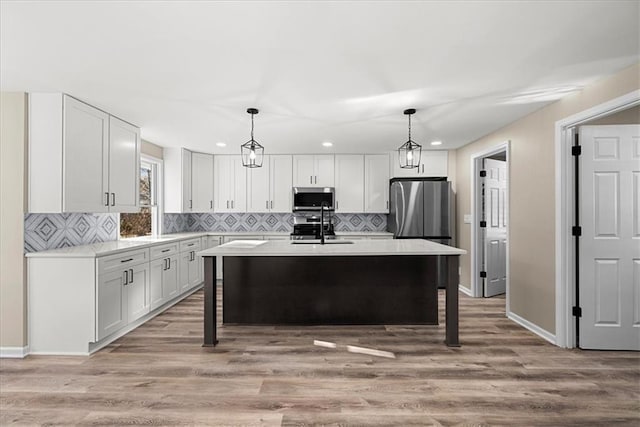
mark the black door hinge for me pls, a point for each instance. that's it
(483, 174)
(483, 274)
(576, 230)
(576, 150)
(576, 311)
(483, 224)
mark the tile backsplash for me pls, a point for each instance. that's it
(53, 231)
(250, 222)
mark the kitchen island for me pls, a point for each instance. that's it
(341, 282)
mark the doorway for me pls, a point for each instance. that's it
(490, 223)
(569, 318)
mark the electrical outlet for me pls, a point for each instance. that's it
(467, 218)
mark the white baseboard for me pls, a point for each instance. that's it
(14, 352)
(533, 328)
(465, 290)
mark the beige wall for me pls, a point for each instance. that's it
(151, 149)
(532, 193)
(630, 116)
(13, 133)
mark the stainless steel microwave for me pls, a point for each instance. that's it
(311, 198)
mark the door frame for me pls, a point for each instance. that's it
(476, 206)
(564, 215)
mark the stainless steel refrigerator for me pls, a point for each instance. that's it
(423, 209)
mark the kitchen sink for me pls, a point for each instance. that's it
(317, 242)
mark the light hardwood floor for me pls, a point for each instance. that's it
(160, 375)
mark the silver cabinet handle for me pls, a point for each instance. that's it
(126, 277)
(272, 204)
(107, 201)
(310, 179)
(126, 260)
(166, 250)
(227, 204)
(210, 204)
(267, 204)
(387, 204)
(337, 204)
(131, 272)
(190, 204)
(232, 203)
(316, 179)
(113, 199)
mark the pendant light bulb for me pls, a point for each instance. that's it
(409, 155)
(252, 154)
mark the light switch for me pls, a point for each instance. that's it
(467, 219)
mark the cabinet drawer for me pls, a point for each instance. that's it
(190, 245)
(122, 260)
(164, 251)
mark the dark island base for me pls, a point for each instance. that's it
(354, 290)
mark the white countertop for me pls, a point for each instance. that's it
(357, 248)
(117, 246)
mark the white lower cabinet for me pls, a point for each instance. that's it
(191, 269)
(164, 280)
(123, 290)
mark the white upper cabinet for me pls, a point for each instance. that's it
(188, 181)
(201, 182)
(432, 164)
(349, 183)
(269, 188)
(376, 183)
(81, 159)
(124, 165)
(280, 183)
(230, 184)
(177, 180)
(313, 170)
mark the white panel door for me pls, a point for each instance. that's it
(156, 272)
(112, 303)
(281, 183)
(124, 166)
(376, 183)
(303, 171)
(86, 154)
(258, 197)
(201, 182)
(138, 298)
(223, 183)
(324, 170)
(609, 264)
(170, 278)
(349, 181)
(495, 233)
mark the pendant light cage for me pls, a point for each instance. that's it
(410, 152)
(252, 152)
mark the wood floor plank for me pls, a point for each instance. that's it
(160, 374)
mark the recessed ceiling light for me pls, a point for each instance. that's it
(221, 144)
(327, 144)
(436, 143)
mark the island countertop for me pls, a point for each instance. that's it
(279, 248)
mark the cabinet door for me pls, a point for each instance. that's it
(187, 196)
(112, 303)
(434, 163)
(223, 182)
(86, 154)
(156, 275)
(183, 271)
(196, 270)
(138, 300)
(324, 171)
(303, 171)
(349, 183)
(376, 183)
(201, 182)
(258, 197)
(239, 190)
(281, 183)
(124, 166)
(170, 278)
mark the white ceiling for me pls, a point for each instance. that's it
(318, 71)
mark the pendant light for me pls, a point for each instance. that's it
(410, 152)
(252, 152)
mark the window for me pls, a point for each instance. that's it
(147, 221)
